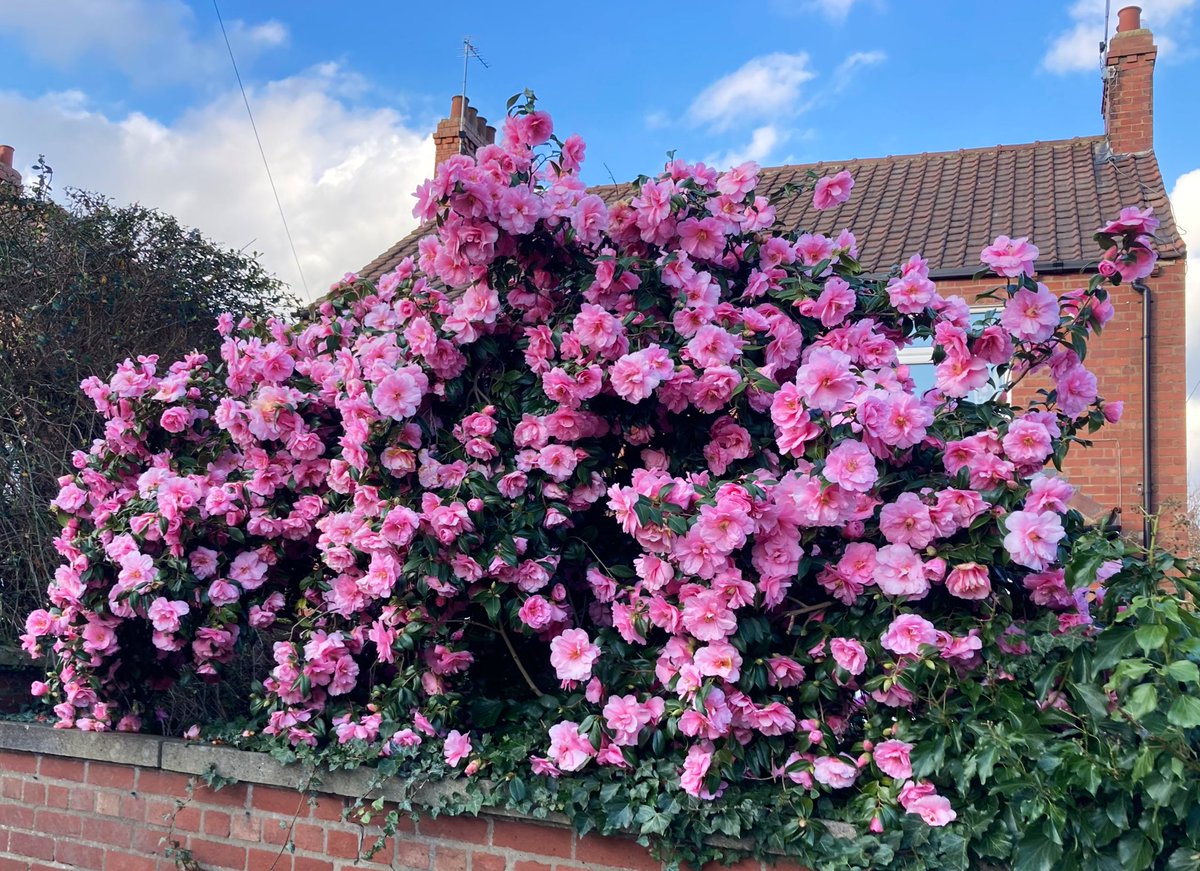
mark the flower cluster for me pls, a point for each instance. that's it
(654, 455)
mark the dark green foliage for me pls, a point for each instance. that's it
(83, 286)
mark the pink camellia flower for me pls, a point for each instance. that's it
(70, 498)
(833, 772)
(1027, 441)
(1075, 390)
(164, 614)
(1031, 316)
(573, 654)
(695, 769)
(825, 380)
(99, 637)
(934, 810)
(557, 461)
(851, 465)
(1137, 262)
(1010, 257)
(900, 572)
(836, 300)
(719, 659)
(907, 634)
(892, 758)
(1032, 538)
(175, 419)
(635, 376)
(456, 748)
(832, 190)
(849, 654)
(1131, 219)
(399, 394)
(907, 521)
(707, 617)
(221, 592)
(969, 581)
(569, 748)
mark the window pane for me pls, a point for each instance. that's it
(923, 376)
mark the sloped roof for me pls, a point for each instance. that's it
(949, 205)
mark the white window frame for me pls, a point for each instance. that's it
(923, 356)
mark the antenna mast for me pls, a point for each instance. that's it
(1104, 37)
(469, 51)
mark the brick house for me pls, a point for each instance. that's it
(948, 206)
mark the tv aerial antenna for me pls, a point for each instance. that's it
(468, 51)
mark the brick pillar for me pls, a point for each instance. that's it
(461, 133)
(7, 173)
(1128, 104)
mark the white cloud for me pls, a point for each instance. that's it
(764, 88)
(344, 174)
(1185, 203)
(763, 142)
(835, 10)
(149, 41)
(848, 69)
(1078, 47)
(657, 120)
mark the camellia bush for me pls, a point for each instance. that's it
(629, 510)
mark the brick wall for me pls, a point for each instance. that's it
(58, 812)
(1110, 472)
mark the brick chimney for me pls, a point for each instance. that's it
(1128, 104)
(461, 134)
(7, 173)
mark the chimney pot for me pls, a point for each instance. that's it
(1128, 100)
(1129, 18)
(6, 156)
(462, 133)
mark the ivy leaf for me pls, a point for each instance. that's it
(1142, 701)
(1135, 851)
(1151, 637)
(1037, 852)
(1185, 712)
(1184, 671)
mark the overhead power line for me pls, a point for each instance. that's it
(262, 152)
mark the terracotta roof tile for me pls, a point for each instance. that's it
(948, 206)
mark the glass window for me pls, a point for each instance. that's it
(919, 358)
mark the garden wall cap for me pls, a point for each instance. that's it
(245, 766)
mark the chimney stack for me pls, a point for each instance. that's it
(7, 173)
(461, 134)
(1128, 103)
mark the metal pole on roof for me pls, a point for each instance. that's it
(1104, 36)
(469, 51)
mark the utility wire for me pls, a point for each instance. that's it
(261, 151)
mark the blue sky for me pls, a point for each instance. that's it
(347, 98)
(137, 99)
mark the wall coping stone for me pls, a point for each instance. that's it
(247, 766)
(243, 766)
(125, 749)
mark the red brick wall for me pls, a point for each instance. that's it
(1110, 472)
(58, 813)
(1128, 101)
